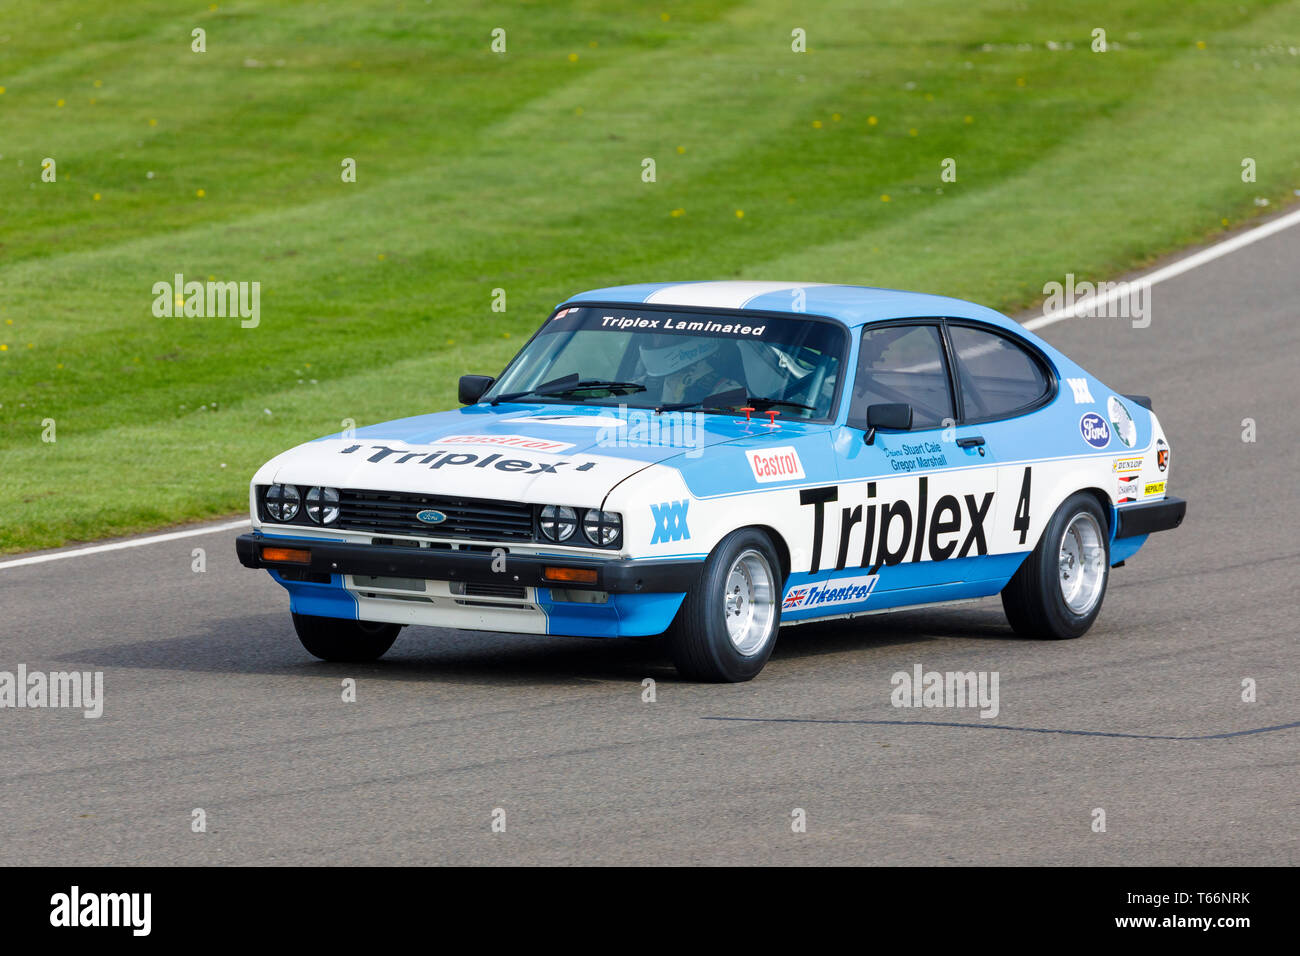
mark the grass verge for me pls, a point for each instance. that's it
(523, 171)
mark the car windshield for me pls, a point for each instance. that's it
(654, 358)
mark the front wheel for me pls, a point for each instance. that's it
(334, 639)
(1057, 592)
(727, 624)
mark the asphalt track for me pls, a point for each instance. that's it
(211, 703)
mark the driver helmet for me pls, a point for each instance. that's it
(681, 353)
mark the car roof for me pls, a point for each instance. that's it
(851, 304)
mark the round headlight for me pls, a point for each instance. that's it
(558, 522)
(601, 527)
(282, 502)
(323, 505)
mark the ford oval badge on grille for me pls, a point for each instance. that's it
(431, 517)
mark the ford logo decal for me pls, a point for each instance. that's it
(1094, 429)
(431, 517)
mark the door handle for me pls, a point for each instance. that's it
(971, 441)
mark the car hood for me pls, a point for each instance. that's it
(545, 453)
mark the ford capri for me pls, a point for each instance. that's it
(710, 461)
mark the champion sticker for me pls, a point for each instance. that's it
(775, 464)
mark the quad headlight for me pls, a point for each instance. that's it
(558, 522)
(601, 527)
(323, 505)
(282, 502)
(561, 523)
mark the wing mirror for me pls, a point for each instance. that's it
(895, 416)
(472, 388)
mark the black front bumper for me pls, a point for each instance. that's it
(472, 567)
(1156, 516)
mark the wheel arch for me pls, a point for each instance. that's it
(1059, 489)
(782, 549)
(1107, 507)
(1097, 494)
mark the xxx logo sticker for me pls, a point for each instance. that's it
(670, 521)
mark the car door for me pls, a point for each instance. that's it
(1000, 383)
(912, 507)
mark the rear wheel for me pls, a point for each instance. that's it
(1057, 592)
(727, 624)
(334, 639)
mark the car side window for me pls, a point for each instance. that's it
(997, 376)
(902, 363)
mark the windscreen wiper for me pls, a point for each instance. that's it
(735, 398)
(769, 402)
(569, 383)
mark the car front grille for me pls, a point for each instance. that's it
(469, 589)
(395, 513)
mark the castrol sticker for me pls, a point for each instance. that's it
(509, 441)
(775, 464)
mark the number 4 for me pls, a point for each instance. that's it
(1021, 523)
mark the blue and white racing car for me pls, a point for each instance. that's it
(712, 460)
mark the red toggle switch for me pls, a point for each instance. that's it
(747, 412)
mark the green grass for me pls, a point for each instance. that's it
(522, 171)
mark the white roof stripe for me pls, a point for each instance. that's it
(722, 295)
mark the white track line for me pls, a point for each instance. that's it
(1083, 305)
(119, 545)
(1168, 272)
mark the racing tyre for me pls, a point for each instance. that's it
(726, 627)
(1057, 592)
(334, 639)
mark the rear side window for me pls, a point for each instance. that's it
(998, 378)
(902, 363)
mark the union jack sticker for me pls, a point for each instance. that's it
(794, 598)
